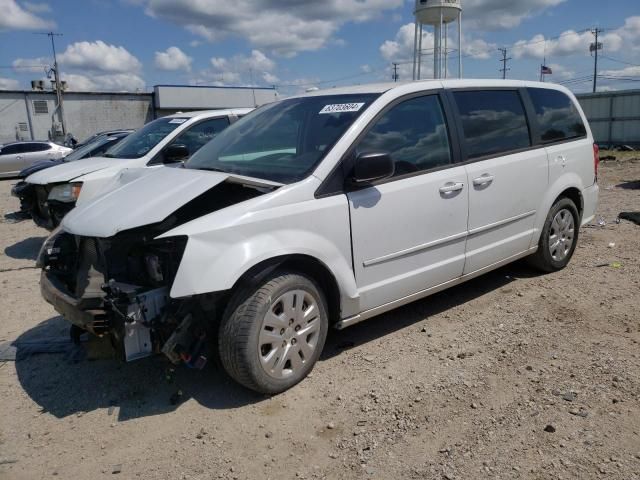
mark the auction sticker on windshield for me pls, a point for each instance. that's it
(342, 108)
(178, 120)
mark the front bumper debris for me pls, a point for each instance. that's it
(76, 311)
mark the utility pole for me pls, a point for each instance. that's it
(395, 75)
(58, 86)
(504, 61)
(594, 47)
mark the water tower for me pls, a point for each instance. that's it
(439, 14)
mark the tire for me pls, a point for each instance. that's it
(558, 238)
(268, 340)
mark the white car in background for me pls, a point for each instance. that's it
(164, 141)
(17, 156)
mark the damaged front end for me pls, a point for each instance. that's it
(46, 210)
(113, 275)
(119, 287)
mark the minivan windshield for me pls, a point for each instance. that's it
(142, 141)
(284, 141)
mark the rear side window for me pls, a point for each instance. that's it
(493, 122)
(38, 147)
(557, 115)
(414, 133)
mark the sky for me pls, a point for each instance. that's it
(132, 45)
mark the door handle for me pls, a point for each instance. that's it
(483, 180)
(451, 187)
(18, 157)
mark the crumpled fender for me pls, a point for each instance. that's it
(223, 245)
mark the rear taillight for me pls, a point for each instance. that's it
(596, 160)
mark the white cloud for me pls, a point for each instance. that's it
(100, 57)
(31, 65)
(270, 78)
(117, 82)
(400, 50)
(173, 59)
(499, 15)
(37, 7)
(15, 17)
(477, 48)
(92, 66)
(561, 72)
(9, 84)
(240, 70)
(629, 34)
(243, 68)
(284, 27)
(633, 71)
(567, 44)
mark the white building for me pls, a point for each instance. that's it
(31, 114)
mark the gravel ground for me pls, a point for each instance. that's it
(512, 375)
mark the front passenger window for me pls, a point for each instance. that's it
(413, 133)
(197, 136)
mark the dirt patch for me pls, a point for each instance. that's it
(512, 375)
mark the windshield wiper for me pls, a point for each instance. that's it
(212, 169)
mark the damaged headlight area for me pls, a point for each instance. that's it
(65, 193)
(119, 287)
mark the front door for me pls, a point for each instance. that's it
(409, 232)
(11, 159)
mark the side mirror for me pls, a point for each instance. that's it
(370, 167)
(176, 152)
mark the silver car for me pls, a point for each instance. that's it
(19, 155)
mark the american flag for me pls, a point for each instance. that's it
(546, 70)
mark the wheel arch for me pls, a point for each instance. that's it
(303, 264)
(575, 195)
(568, 185)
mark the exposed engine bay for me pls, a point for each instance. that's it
(119, 286)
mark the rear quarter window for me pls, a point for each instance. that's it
(493, 121)
(557, 115)
(39, 147)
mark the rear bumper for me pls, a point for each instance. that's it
(590, 199)
(94, 321)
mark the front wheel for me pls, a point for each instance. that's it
(272, 334)
(559, 237)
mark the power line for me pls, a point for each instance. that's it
(17, 67)
(620, 61)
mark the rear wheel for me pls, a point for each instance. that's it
(272, 334)
(559, 237)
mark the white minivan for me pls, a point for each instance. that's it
(325, 210)
(53, 192)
